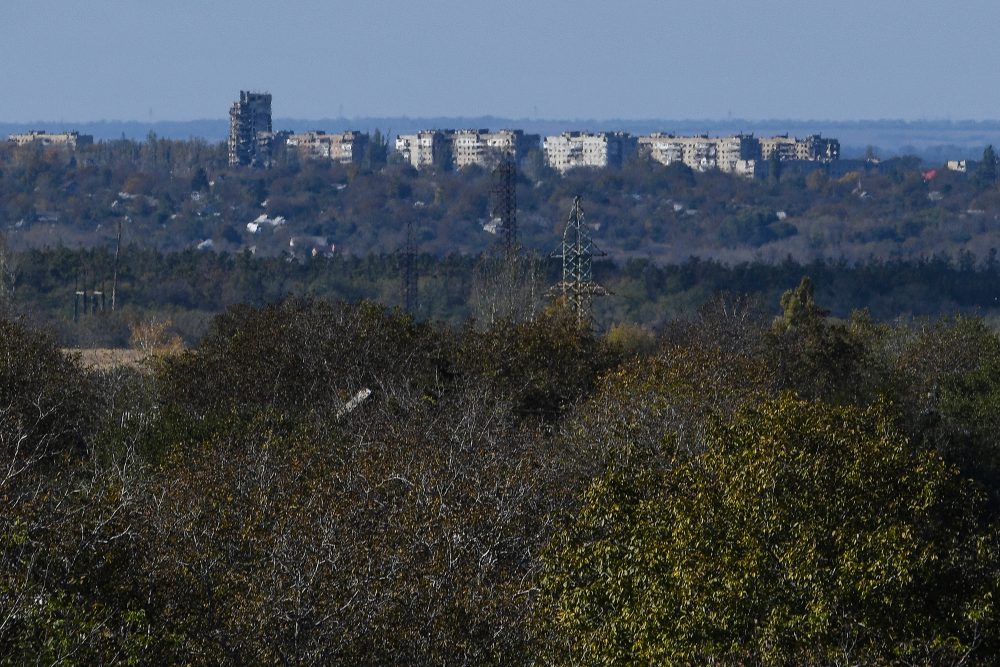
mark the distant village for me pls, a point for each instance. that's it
(252, 142)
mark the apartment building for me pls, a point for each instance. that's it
(68, 140)
(464, 148)
(485, 148)
(813, 147)
(250, 135)
(342, 147)
(425, 148)
(738, 153)
(701, 152)
(570, 150)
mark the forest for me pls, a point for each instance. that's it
(776, 445)
(177, 195)
(185, 290)
(332, 483)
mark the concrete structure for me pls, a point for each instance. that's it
(813, 147)
(343, 147)
(701, 152)
(570, 150)
(250, 135)
(60, 139)
(739, 153)
(425, 148)
(961, 166)
(464, 148)
(485, 148)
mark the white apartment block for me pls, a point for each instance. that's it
(60, 139)
(735, 154)
(464, 148)
(343, 147)
(421, 149)
(700, 152)
(484, 148)
(570, 150)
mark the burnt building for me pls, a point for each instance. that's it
(250, 135)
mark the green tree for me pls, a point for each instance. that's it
(986, 173)
(199, 182)
(806, 534)
(377, 152)
(817, 357)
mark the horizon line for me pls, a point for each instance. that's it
(651, 119)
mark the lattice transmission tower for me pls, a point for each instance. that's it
(408, 270)
(503, 204)
(577, 252)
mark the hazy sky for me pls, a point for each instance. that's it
(804, 59)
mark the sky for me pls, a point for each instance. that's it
(155, 60)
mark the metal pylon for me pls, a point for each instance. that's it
(577, 251)
(504, 204)
(408, 272)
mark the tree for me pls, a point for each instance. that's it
(199, 182)
(806, 534)
(986, 173)
(377, 153)
(817, 357)
(7, 268)
(774, 167)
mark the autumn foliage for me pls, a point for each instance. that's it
(731, 490)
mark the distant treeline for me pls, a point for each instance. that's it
(189, 287)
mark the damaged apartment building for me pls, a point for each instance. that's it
(250, 134)
(740, 154)
(340, 147)
(464, 148)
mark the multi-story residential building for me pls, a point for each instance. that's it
(701, 152)
(425, 148)
(781, 147)
(818, 148)
(464, 148)
(60, 139)
(570, 150)
(343, 147)
(735, 151)
(813, 147)
(484, 148)
(250, 135)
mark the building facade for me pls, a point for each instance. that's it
(425, 148)
(485, 148)
(701, 152)
(571, 150)
(813, 147)
(464, 148)
(250, 134)
(342, 147)
(59, 139)
(738, 153)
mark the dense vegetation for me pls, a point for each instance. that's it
(737, 489)
(178, 195)
(190, 287)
